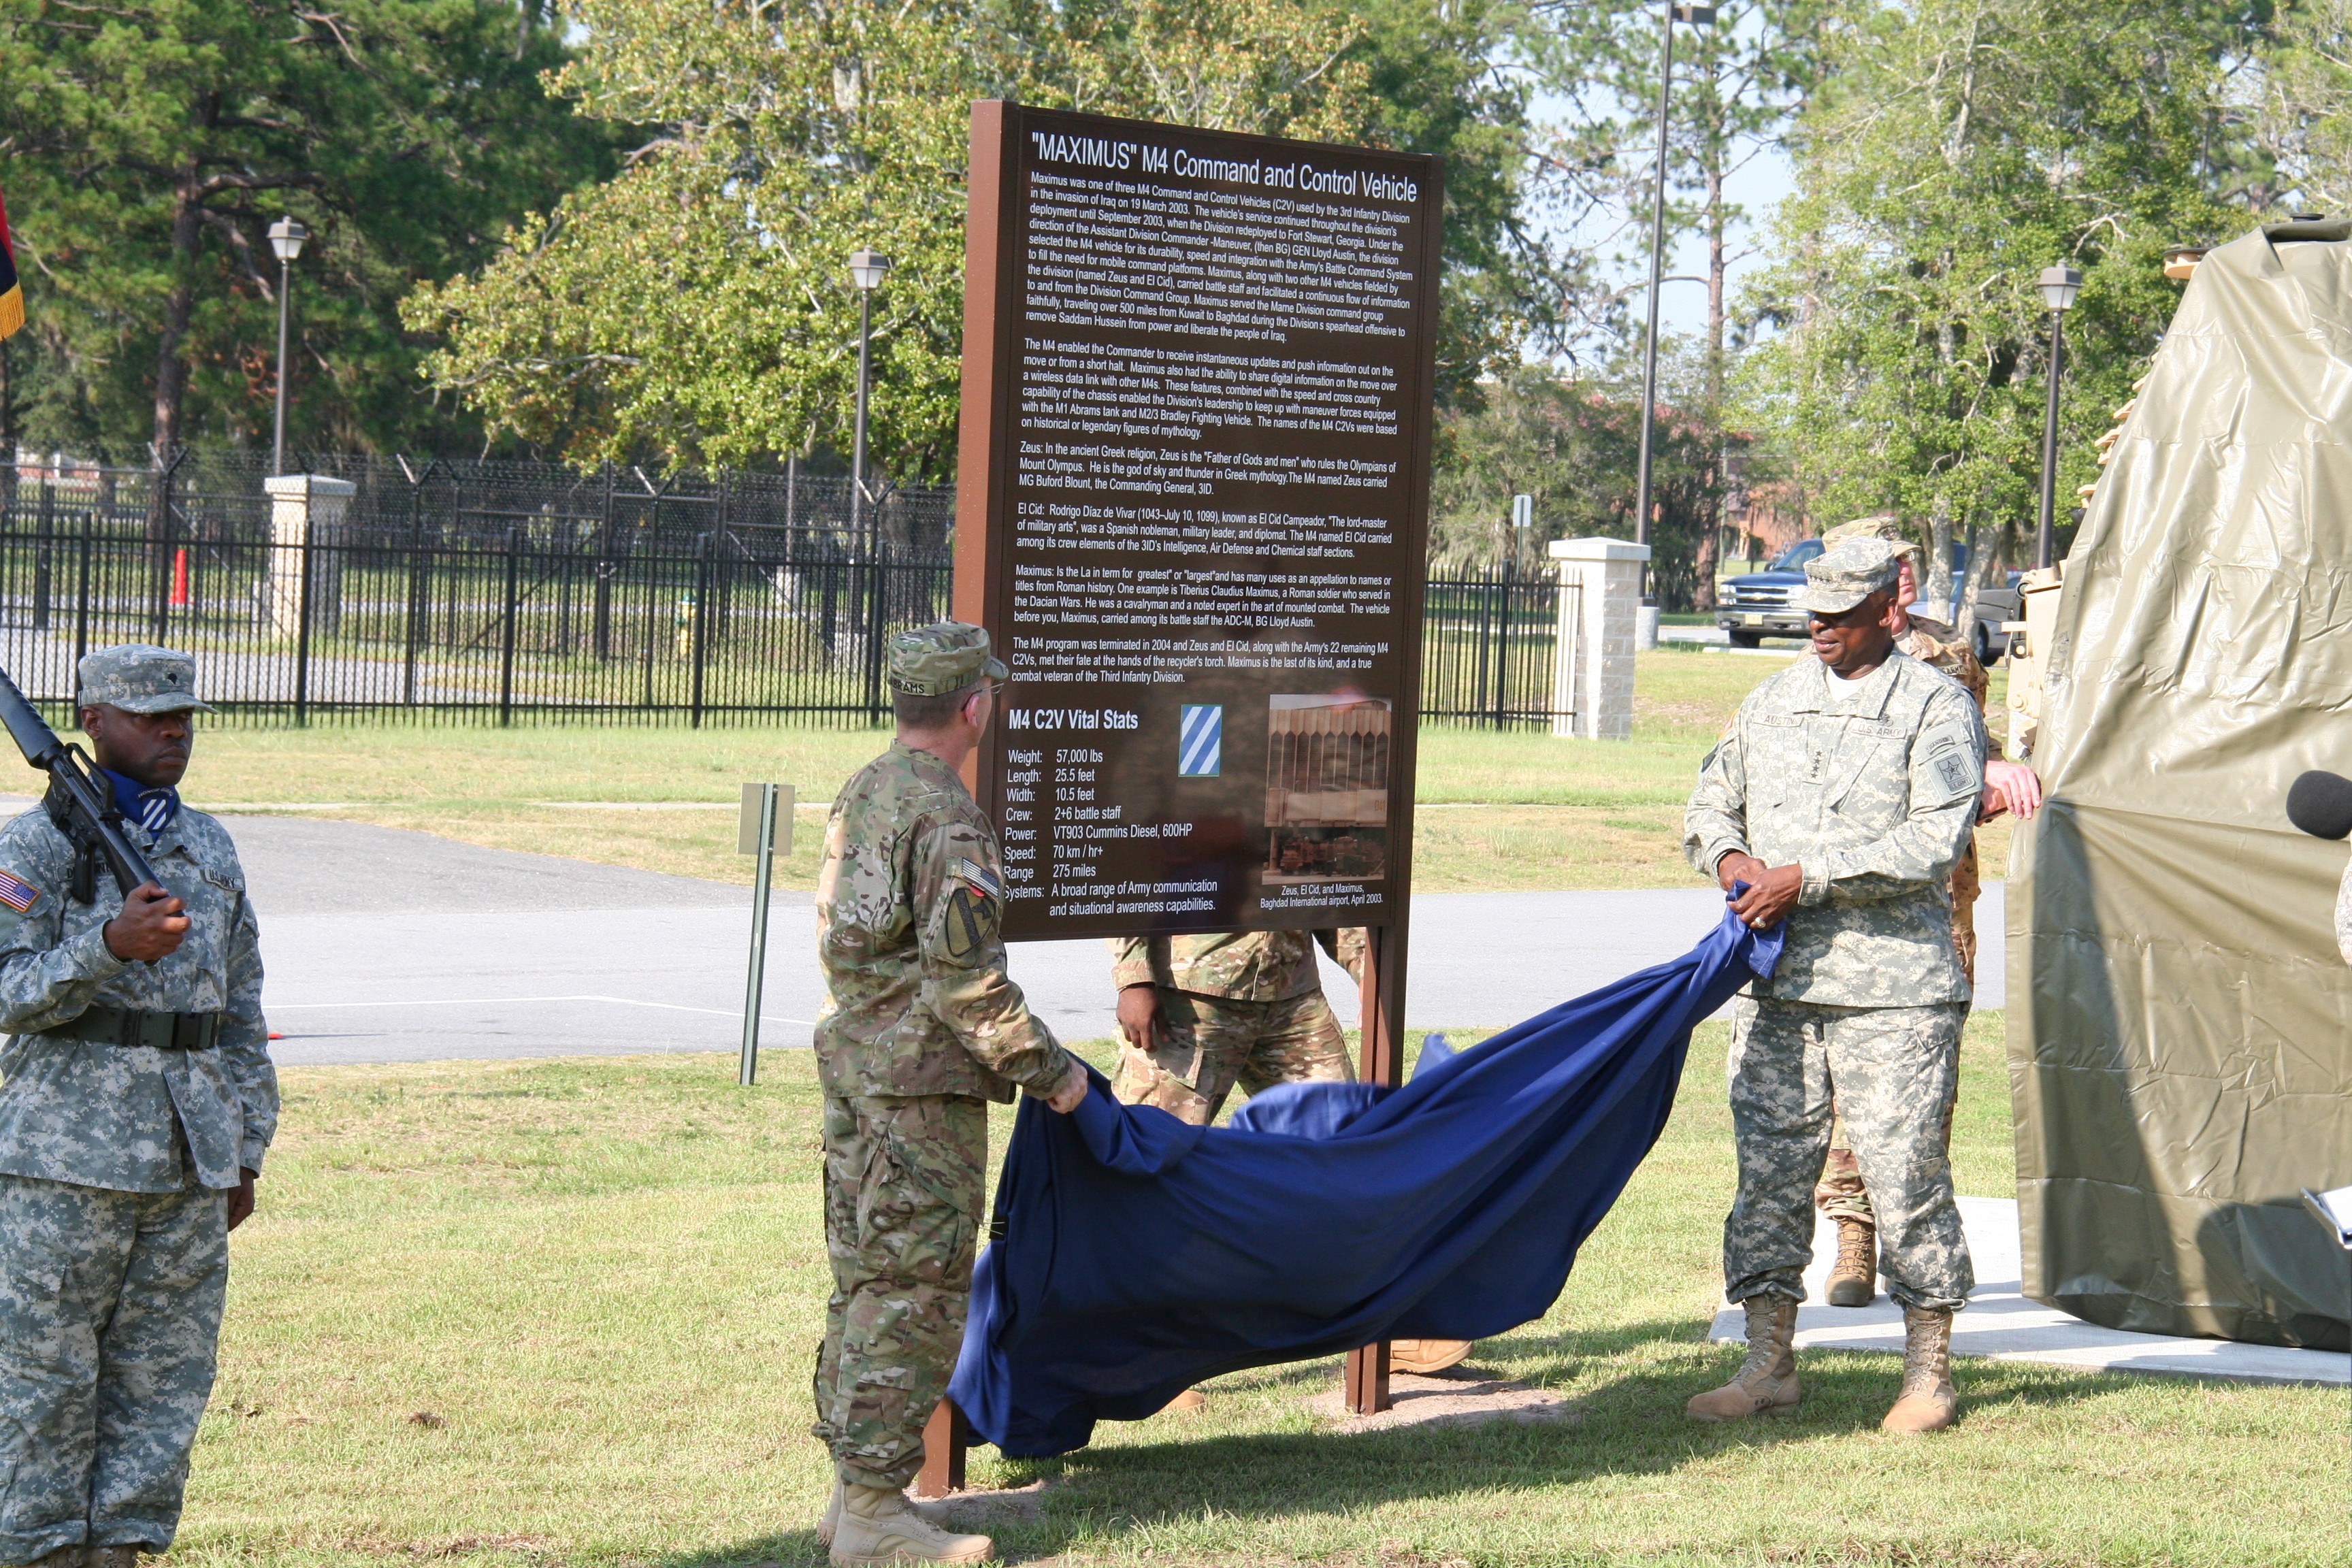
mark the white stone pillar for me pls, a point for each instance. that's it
(305, 507)
(1599, 598)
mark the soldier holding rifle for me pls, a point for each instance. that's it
(920, 1029)
(138, 1102)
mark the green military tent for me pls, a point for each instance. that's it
(2181, 1022)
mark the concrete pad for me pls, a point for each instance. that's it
(2001, 1324)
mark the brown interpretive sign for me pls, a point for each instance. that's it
(1193, 509)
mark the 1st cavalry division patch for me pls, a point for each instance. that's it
(18, 893)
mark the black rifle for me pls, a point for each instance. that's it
(82, 810)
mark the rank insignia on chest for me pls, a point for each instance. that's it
(978, 876)
(17, 893)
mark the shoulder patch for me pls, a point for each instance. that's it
(17, 893)
(1948, 764)
(978, 876)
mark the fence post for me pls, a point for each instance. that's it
(700, 630)
(605, 570)
(81, 590)
(303, 629)
(415, 627)
(1610, 585)
(507, 636)
(49, 522)
(875, 600)
(159, 548)
(1567, 628)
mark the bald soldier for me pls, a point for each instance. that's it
(1839, 804)
(2009, 786)
(919, 1030)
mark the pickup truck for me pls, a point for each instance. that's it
(1755, 606)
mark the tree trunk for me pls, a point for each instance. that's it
(179, 306)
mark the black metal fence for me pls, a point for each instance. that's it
(473, 589)
(479, 590)
(1488, 647)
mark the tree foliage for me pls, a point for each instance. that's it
(697, 306)
(1959, 147)
(147, 147)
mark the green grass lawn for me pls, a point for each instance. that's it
(559, 1312)
(1507, 810)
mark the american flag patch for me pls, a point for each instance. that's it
(980, 877)
(17, 894)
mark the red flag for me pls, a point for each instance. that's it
(12, 298)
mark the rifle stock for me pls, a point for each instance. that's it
(87, 801)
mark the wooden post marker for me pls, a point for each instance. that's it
(1192, 511)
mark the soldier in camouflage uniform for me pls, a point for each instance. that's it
(2009, 785)
(137, 1104)
(919, 1030)
(1843, 797)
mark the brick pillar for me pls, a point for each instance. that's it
(305, 506)
(1600, 595)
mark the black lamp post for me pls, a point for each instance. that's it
(865, 269)
(2059, 286)
(286, 237)
(1698, 16)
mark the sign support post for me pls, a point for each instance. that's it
(755, 833)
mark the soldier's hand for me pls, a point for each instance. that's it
(1072, 1091)
(150, 927)
(240, 1200)
(2011, 787)
(1770, 895)
(1138, 1014)
(1738, 867)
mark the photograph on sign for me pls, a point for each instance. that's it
(1196, 456)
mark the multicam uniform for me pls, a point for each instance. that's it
(1840, 1194)
(920, 1029)
(1871, 787)
(1243, 1008)
(115, 1163)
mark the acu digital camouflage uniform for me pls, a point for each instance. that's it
(1841, 1192)
(1243, 1008)
(920, 1028)
(115, 1166)
(1870, 786)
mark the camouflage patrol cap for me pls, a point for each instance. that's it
(1886, 526)
(941, 659)
(1845, 574)
(138, 678)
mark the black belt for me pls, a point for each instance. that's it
(130, 1027)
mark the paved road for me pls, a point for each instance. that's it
(385, 946)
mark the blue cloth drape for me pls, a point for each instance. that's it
(1139, 1256)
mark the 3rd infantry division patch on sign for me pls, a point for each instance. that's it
(1200, 742)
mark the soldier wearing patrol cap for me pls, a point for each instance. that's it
(2009, 786)
(1841, 798)
(919, 1030)
(137, 1104)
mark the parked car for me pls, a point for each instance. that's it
(1757, 605)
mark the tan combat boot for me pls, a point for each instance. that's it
(878, 1525)
(1184, 1403)
(61, 1557)
(112, 1557)
(1425, 1356)
(830, 1517)
(1928, 1403)
(1854, 1281)
(1766, 1383)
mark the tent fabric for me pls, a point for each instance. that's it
(2181, 1024)
(1138, 1254)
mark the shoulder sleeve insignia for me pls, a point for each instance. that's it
(970, 924)
(978, 876)
(17, 893)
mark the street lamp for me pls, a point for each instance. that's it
(2059, 286)
(865, 269)
(1697, 15)
(286, 237)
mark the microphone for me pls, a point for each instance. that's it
(2320, 803)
